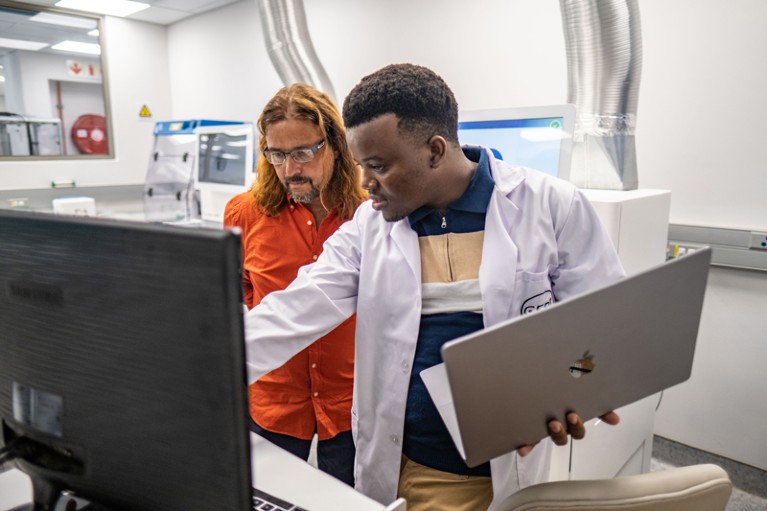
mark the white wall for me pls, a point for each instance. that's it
(493, 62)
(219, 68)
(38, 70)
(723, 406)
(702, 109)
(12, 90)
(137, 67)
(493, 53)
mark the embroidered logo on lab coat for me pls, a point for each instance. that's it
(537, 302)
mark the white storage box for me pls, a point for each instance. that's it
(77, 206)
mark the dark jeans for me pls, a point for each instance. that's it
(335, 456)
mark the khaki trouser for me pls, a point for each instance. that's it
(428, 489)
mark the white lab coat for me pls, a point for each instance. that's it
(539, 231)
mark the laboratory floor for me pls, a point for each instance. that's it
(749, 492)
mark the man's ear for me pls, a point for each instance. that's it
(438, 149)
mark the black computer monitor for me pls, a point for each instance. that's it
(122, 375)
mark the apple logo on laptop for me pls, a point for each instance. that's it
(582, 366)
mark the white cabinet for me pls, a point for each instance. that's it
(637, 222)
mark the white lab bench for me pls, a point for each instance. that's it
(275, 471)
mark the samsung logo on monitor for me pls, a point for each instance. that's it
(30, 291)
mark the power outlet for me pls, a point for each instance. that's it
(758, 240)
(679, 249)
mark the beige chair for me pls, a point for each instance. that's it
(695, 488)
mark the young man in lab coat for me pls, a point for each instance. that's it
(451, 241)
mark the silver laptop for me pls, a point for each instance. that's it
(591, 354)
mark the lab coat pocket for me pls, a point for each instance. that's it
(532, 292)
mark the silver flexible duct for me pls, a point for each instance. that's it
(289, 45)
(603, 41)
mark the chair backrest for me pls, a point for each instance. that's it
(702, 487)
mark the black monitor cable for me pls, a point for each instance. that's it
(17, 448)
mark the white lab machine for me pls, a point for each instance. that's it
(169, 187)
(224, 166)
(538, 137)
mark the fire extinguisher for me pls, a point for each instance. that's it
(89, 134)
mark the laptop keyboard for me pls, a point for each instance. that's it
(262, 501)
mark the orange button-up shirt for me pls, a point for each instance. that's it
(313, 390)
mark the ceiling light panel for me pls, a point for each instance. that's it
(65, 21)
(119, 8)
(18, 44)
(78, 47)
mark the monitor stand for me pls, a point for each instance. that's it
(64, 503)
(49, 497)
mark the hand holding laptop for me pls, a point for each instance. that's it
(498, 386)
(575, 429)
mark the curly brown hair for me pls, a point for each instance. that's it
(419, 97)
(301, 101)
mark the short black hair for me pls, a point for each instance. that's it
(419, 97)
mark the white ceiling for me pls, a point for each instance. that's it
(16, 25)
(163, 12)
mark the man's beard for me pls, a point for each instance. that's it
(305, 197)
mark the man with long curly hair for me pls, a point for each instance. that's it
(307, 185)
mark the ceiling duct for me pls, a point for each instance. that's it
(289, 45)
(603, 41)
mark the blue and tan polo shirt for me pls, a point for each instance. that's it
(451, 251)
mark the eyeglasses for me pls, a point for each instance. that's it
(299, 155)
